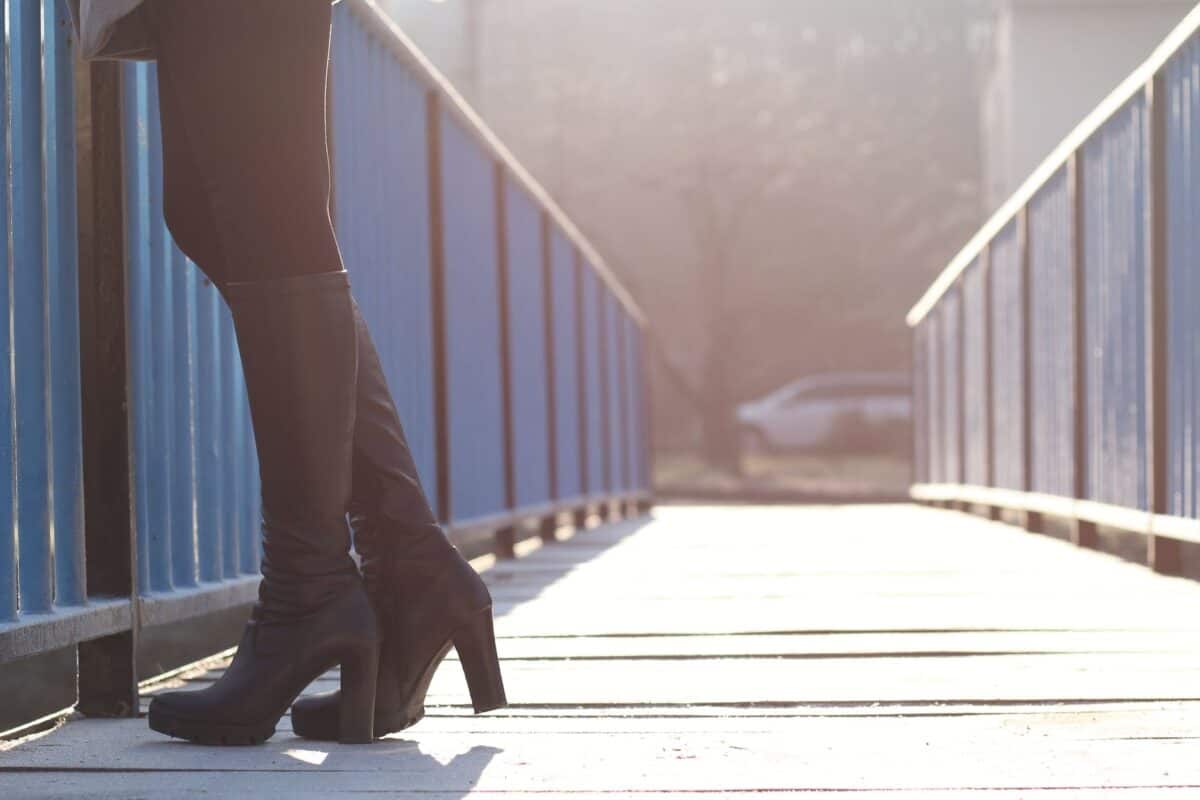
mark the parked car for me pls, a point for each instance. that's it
(835, 411)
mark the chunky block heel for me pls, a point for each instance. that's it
(356, 707)
(428, 599)
(476, 646)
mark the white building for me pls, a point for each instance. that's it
(1051, 62)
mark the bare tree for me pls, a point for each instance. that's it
(775, 179)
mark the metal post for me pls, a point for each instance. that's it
(437, 282)
(1033, 520)
(549, 525)
(937, 423)
(107, 666)
(623, 414)
(961, 393)
(506, 537)
(646, 346)
(581, 514)
(915, 475)
(1083, 532)
(605, 482)
(1162, 554)
(989, 375)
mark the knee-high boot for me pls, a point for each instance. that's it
(298, 346)
(427, 596)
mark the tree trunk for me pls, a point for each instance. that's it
(720, 445)
(719, 424)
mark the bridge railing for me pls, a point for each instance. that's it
(1057, 356)
(129, 487)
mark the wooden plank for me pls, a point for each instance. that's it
(888, 651)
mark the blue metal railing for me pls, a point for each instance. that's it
(1065, 329)
(1183, 240)
(41, 503)
(565, 345)
(516, 360)
(195, 476)
(1052, 327)
(442, 210)
(530, 379)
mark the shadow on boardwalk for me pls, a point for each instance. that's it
(123, 758)
(888, 652)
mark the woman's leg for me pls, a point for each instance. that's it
(185, 205)
(428, 595)
(247, 193)
(385, 480)
(244, 87)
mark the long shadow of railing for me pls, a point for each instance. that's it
(404, 753)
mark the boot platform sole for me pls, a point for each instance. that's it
(209, 733)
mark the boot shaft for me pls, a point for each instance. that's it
(298, 347)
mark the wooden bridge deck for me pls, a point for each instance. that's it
(891, 652)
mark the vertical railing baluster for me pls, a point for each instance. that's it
(28, 276)
(210, 497)
(9, 602)
(248, 517)
(183, 472)
(1163, 554)
(236, 486)
(157, 341)
(62, 250)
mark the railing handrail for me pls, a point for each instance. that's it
(399, 42)
(1128, 89)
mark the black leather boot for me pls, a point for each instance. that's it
(299, 352)
(427, 596)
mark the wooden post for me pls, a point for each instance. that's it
(1162, 554)
(1083, 532)
(107, 666)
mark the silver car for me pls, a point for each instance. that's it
(842, 410)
